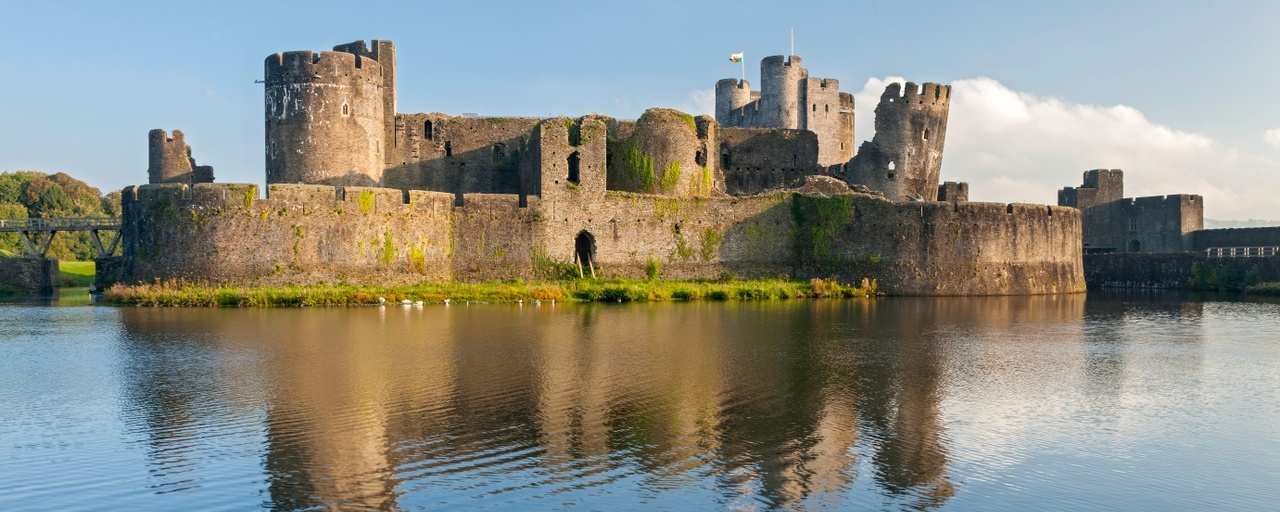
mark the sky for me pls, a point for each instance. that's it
(1178, 94)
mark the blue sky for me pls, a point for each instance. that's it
(1177, 93)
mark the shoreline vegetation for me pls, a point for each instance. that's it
(181, 294)
(1269, 289)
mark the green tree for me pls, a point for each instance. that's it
(36, 194)
(10, 245)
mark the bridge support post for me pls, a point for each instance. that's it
(110, 248)
(33, 250)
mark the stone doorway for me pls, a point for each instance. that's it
(584, 253)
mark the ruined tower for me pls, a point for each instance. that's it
(169, 160)
(790, 99)
(326, 115)
(904, 159)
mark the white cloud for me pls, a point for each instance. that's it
(1272, 136)
(1017, 147)
(700, 102)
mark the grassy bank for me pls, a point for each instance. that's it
(1272, 289)
(584, 290)
(75, 274)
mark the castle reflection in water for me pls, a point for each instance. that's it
(790, 404)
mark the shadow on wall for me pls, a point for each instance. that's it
(493, 169)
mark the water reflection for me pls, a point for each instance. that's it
(743, 404)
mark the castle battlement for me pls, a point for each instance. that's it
(324, 66)
(912, 94)
(781, 61)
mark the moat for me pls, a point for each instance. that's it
(1111, 401)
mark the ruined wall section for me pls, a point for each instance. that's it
(904, 158)
(572, 161)
(170, 161)
(299, 234)
(324, 119)
(385, 53)
(953, 192)
(668, 153)
(755, 160)
(829, 114)
(460, 155)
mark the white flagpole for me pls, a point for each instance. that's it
(743, 62)
(793, 40)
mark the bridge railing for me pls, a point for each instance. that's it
(60, 224)
(1242, 252)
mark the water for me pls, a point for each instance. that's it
(1111, 402)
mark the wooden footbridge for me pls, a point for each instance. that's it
(37, 247)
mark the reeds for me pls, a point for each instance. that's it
(182, 294)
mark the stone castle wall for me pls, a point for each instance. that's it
(1235, 237)
(307, 234)
(755, 160)
(1114, 223)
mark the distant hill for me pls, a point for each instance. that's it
(1251, 223)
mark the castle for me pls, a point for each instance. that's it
(358, 192)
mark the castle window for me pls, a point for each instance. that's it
(815, 107)
(925, 135)
(426, 130)
(575, 162)
(346, 110)
(724, 160)
(448, 148)
(1133, 226)
(827, 108)
(795, 160)
(700, 158)
(499, 152)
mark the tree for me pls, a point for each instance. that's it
(36, 194)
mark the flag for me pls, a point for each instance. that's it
(737, 57)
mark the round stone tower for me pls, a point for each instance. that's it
(731, 94)
(667, 154)
(780, 81)
(324, 116)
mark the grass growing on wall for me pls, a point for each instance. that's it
(366, 201)
(579, 290)
(671, 176)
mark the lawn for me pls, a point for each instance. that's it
(75, 274)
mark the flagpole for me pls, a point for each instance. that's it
(793, 41)
(743, 62)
